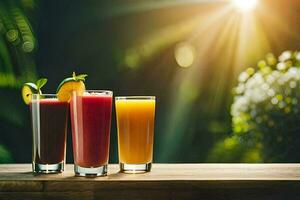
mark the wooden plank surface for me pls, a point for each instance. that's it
(165, 181)
(162, 172)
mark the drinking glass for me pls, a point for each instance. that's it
(49, 118)
(91, 121)
(135, 123)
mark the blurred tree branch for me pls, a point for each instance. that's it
(17, 43)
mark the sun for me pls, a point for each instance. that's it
(245, 5)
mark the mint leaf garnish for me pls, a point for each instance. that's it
(80, 77)
(41, 82)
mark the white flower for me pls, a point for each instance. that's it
(251, 83)
(293, 70)
(243, 77)
(281, 104)
(265, 86)
(281, 66)
(274, 100)
(240, 89)
(240, 105)
(276, 74)
(293, 73)
(258, 77)
(270, 79)
(298, 56)
(285, 56)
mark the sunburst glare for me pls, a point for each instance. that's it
(245, 5)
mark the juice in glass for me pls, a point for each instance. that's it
(49, 118)
(135, 121)
(91, 121)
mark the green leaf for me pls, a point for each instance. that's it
(81, 77)
(41, 82)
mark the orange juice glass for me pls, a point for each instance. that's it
(135, 122)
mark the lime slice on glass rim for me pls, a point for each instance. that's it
(27, 90)
(32, 88)
(70, 85)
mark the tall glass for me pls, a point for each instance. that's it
(49, 118)
(135, 122)
(91, 121)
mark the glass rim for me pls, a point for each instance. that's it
(135, 98)
(45, 95)
(107, 92)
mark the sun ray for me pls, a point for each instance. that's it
(187, 83)
(149, 45)
(225, 46)
(275, 24)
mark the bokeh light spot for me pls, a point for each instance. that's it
(12, 35)
(184, 54)
(28, 47)
(132, 59)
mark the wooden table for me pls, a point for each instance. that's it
(166, 181)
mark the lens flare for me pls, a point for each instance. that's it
(245, 5)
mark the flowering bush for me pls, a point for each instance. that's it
(266, 108)
(265, 114)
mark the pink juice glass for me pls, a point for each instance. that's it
(91, 121)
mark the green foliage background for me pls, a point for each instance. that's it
(128, 46)
(17, 46)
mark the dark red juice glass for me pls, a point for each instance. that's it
(49, 126)
(91, 120)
